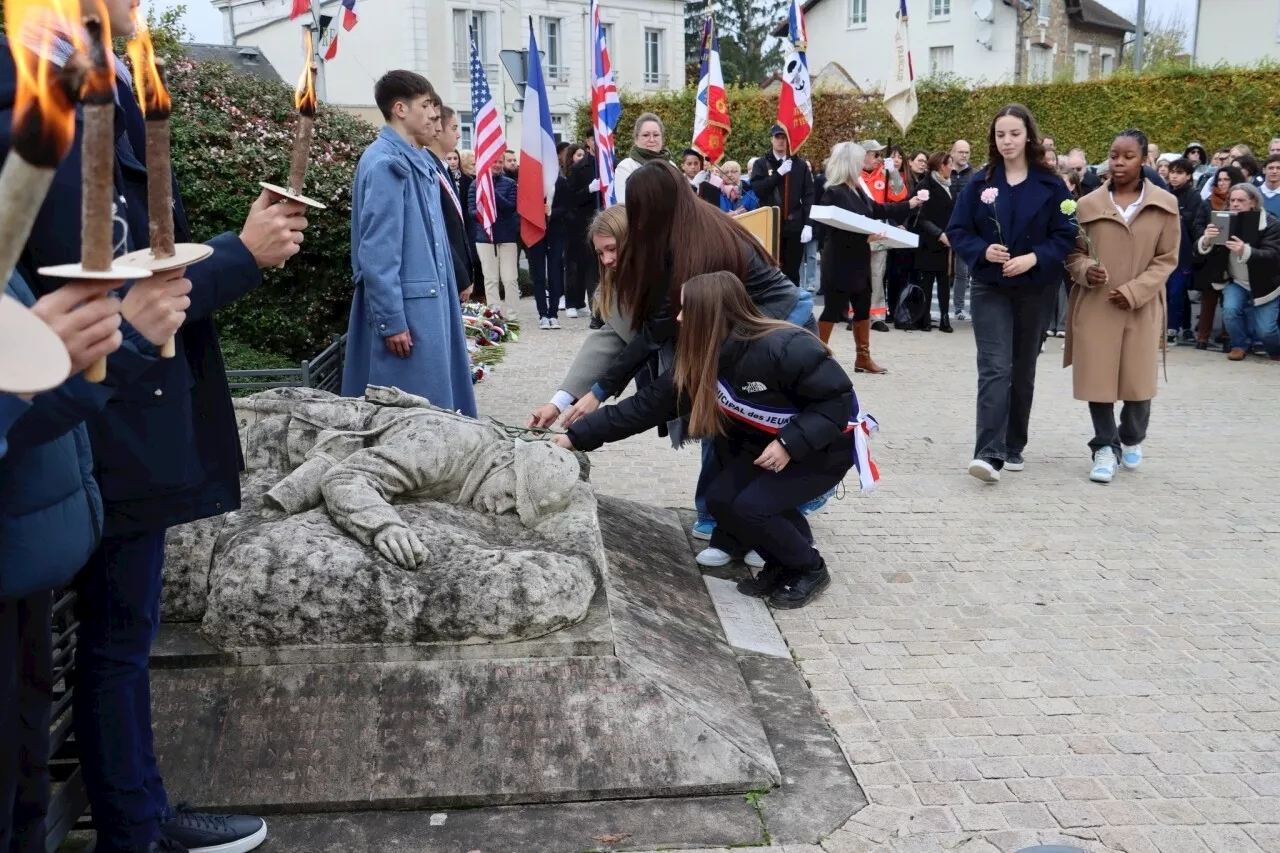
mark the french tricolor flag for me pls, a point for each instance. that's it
(538, 167)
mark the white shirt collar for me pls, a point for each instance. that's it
(1127, 212)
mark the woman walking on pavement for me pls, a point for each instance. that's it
(1009, 228)
(1116, 318)
(846, 262)
(783, 423)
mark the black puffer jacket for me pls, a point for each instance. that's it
(786, 371)
(769, 288)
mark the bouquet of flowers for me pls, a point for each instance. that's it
(497, 326)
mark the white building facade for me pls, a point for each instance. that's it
(1237, 32)
(646, 46)
(981, 41)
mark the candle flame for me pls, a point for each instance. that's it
(304, 97)
(50, 77)
(148, 71)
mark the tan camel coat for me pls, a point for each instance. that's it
(1115, 352)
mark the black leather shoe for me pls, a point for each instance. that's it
(799, 590)
(880, 326)
(198, 832)
(944, 325)
(1202, 345)
(763, 584)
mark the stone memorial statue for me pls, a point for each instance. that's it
(384, 520)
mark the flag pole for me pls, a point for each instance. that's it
(318, 54)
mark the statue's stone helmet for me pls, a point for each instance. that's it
(545, 475)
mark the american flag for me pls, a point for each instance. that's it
(489, 142)
(606, 108)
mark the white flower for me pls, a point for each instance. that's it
(923, 195)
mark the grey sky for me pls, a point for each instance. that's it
(205, 23)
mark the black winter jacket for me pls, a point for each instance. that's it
(931, 224)
(769, 288)
(788, 370)
(846, 257)
(1264, 263)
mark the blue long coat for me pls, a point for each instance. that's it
(403, 275)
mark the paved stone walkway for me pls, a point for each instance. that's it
(1046, 660)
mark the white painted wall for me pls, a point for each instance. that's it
(419, 35)
(1239, 32)
(865, 51)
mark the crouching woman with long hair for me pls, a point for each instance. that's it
(783, 420)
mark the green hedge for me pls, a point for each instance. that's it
(1214, 108)
(231, 131)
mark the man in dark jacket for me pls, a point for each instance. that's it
(783, 181)
(1195, 216)
(444, 140)
(51, 519)
(962, 169)
(166, 452)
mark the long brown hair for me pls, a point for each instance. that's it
(566, 157)
(610, 222)
(674, 236)
(713, 308)
(1035, 143)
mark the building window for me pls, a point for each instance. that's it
(942, 60)
(940, 9)
(1084, 58)
(1106, 63)
(463, 19)
(857, 13)
(553, 48)
(1043, 9)
(465, 130)
(653, 75)
(608, 40)
(1041, 68)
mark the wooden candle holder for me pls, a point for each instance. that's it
(184, 255)
(97, 371)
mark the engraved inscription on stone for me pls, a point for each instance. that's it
(747, 623)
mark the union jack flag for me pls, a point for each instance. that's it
(489, 142)
(606, 108)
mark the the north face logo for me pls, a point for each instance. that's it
(754, 387)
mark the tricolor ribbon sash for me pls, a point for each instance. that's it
(770, 420)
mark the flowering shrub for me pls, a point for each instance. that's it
(231, 131)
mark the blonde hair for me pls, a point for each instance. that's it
(844, 166)
(467, 161)
(610, 222)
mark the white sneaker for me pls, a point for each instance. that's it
(984, 471)
(1104, 466)
(754, 560)
(961, 316)
(1131, 456)
(553, 323)
(571, 313)
(713, 558)
(561, 303)
(544, 323)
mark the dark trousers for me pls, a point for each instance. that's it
(580, 266)
(1209, 298)
(900, 269)
(927, 281)
(1179, 305)
(119, 612)
(546, 265)
(756, 510)
(26, 698)
(1132, 429)
(1008, 326)
(790, 255)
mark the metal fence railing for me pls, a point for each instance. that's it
(323, 372)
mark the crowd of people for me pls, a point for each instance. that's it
(718, 334)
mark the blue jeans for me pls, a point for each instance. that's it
(1247, 323)
(546, 263)
(1179, 316)
(119, 612)
(1008, 326)
(959, 285)
(26, 699)
(809, 267)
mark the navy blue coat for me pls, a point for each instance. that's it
(11, 408)
(50, 507)
(507, 228)
(166, 449)
(1037, 225)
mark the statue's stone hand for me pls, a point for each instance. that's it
(401, 546)
(385, 396)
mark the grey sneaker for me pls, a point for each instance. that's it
(544, 323)
(553, 323)
(1104, 466)
(1015, 462)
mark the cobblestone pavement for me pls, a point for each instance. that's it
(1047, 660)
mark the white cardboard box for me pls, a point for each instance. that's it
(847, 220)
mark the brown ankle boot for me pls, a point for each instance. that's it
(824, 331)
(862, 337)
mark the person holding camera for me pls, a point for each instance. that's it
(1245, 268)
